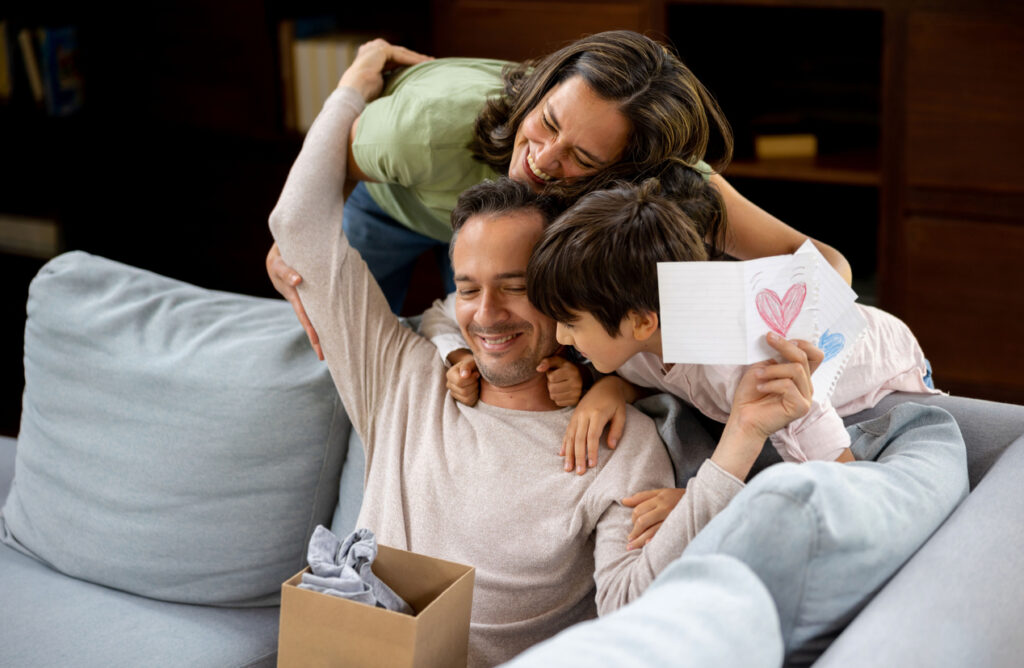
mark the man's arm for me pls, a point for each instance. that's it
(770, 395)
(622, 574)
(362, 341)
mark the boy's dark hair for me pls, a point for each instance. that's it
(601, 256)
(500, 196)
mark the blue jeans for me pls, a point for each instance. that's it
(701, 611)
(390, 249)
(824, 536)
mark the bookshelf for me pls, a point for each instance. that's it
(915, 106)
(177, 155)
(181, 146)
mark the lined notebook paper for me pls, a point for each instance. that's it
(720, 312)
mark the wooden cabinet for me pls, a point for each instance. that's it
(956, 222)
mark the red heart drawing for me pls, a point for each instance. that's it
(779, 314)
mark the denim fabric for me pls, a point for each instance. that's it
(960, 600)
(701, 611)
(390, 249)
(824, 536)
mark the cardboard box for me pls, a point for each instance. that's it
(322, 630)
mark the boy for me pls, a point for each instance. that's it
(595, 272)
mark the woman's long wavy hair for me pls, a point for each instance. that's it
(672, 114)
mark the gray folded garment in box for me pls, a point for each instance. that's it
(343, 569)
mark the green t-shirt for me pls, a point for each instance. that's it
(413, 140)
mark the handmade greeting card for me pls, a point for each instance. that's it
(720, 312)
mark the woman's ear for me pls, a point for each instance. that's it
(643, 323)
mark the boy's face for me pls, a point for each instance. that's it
(591, 339)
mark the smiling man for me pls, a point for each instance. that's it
(479, 485)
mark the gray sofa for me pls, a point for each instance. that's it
(179, 445)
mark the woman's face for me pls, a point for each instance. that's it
(571, 132)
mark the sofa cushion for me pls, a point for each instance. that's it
(175, 442)
(50, 619)
(825, 536)
(988, 426)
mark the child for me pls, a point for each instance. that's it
(595, 272)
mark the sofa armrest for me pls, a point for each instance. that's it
(8, 446)
(960, 599)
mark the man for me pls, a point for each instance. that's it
(482, 485)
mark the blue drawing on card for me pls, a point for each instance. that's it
(831, 344)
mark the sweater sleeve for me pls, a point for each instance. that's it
(361, 339)
(819, 435)
(439, 326)
(621, 575)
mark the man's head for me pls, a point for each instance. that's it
(496, 225)
(595, 269)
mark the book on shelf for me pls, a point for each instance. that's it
(62, 77)
(314, 55)
(6, 76)
(47, 69)
(31, 62)
(797, 145)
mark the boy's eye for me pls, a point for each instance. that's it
(516, 289)
(467, 292)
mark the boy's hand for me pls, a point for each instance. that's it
(565, 381)
(463, 379)
(650, 509)
(772, 394)
(603, 405)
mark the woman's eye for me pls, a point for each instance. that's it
(582, 163)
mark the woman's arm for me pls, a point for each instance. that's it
(753, 232)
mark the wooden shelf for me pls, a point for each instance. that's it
(854, 169)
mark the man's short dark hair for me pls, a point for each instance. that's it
(502, 195)
(601, 256)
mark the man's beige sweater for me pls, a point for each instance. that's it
(478, 485)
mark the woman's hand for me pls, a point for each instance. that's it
(285, 279)
(366, 73)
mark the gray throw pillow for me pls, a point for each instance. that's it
(176, 443)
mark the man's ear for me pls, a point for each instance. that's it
(643, 323)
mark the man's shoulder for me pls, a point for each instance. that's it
(640, 438)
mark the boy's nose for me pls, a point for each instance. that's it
(562, 335)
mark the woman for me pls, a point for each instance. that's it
(608, 107)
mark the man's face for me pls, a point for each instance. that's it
(507, 335)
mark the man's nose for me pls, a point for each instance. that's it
(492, 308)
